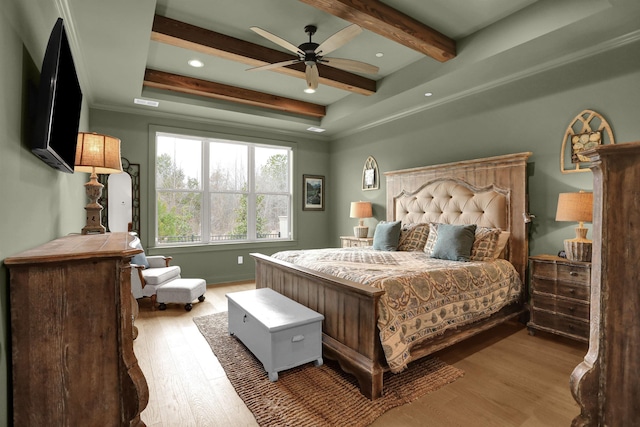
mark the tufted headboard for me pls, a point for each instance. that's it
(490, 192)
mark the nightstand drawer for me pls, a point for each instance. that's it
(574, 273)
(565, 325)
(573, 290)
(544, 285)
(569, 307)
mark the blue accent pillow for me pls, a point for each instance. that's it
(141, 258)
(454, 242)
(387, 236)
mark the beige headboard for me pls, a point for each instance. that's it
(451, 201)
(490, 192)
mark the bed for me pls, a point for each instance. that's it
(489, 192)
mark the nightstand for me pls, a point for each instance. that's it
(355, 242)
(560, 294)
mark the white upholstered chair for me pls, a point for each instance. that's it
(148, 273)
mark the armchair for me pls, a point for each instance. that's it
(148, 273)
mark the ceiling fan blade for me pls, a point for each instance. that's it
(274, 65)
(312, 76)
(351, 65)
(277, 40)
(338, 39)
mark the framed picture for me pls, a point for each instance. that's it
(312, 193)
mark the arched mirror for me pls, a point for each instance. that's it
(121, 199)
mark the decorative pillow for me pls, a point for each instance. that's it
(141, 258)
(454, 242)
(431, 240)
(413, 237)
(386, 236)
(503, 238)
(484, 245)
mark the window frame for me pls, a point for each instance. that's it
(205, 138)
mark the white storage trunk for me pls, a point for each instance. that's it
(280, 332)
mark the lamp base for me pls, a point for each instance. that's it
(360, 231)
(94, 209)
(578, 250)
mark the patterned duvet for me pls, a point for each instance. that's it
(424, 296)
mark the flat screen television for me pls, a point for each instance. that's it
(59, 102)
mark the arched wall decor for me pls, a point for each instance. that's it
(370, 175)
(133, 169)
(586, 131)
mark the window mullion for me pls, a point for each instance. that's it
(251, 195)
(206, 194)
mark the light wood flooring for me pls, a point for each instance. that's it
(511, 378)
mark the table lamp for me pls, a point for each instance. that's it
(576, 207)
(361, 210)
(96, 154)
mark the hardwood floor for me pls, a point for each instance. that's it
(511, 378)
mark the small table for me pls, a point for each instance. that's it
(560, 296)
(280, 332)
(355, 242)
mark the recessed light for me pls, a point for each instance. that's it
(309, 90)
(428, 94)
(147, 102)
(379, 54)
(196, 63)
(315, 129)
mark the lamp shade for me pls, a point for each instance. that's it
(576, 207)
(97, 153)
(361, 210)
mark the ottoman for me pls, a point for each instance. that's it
(280, 332)
(182, 291)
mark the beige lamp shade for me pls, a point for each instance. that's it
(97, 153)
(361, 210)
(577, 207)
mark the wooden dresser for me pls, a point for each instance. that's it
(71, 332)
(606, 383)
(355, 242)
(560, 295)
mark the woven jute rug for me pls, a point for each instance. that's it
(315, 396)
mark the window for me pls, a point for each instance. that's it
(220, 191)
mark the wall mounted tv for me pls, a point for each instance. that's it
(57, 115)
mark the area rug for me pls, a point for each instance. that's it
(315, 396)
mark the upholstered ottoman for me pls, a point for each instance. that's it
(181, 291)
(280, 332)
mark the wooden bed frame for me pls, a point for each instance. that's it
(350, 331)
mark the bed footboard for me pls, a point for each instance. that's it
(350, 332)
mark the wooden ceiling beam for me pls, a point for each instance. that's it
(187, 36)
(177, 83)
(381, 19)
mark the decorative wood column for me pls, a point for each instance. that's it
(606, 384)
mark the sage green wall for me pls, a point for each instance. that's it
(530, 114)
(218, 263)
(38, 203)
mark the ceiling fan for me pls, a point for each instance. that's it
(313, 54)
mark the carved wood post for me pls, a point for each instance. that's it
(606, 384)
